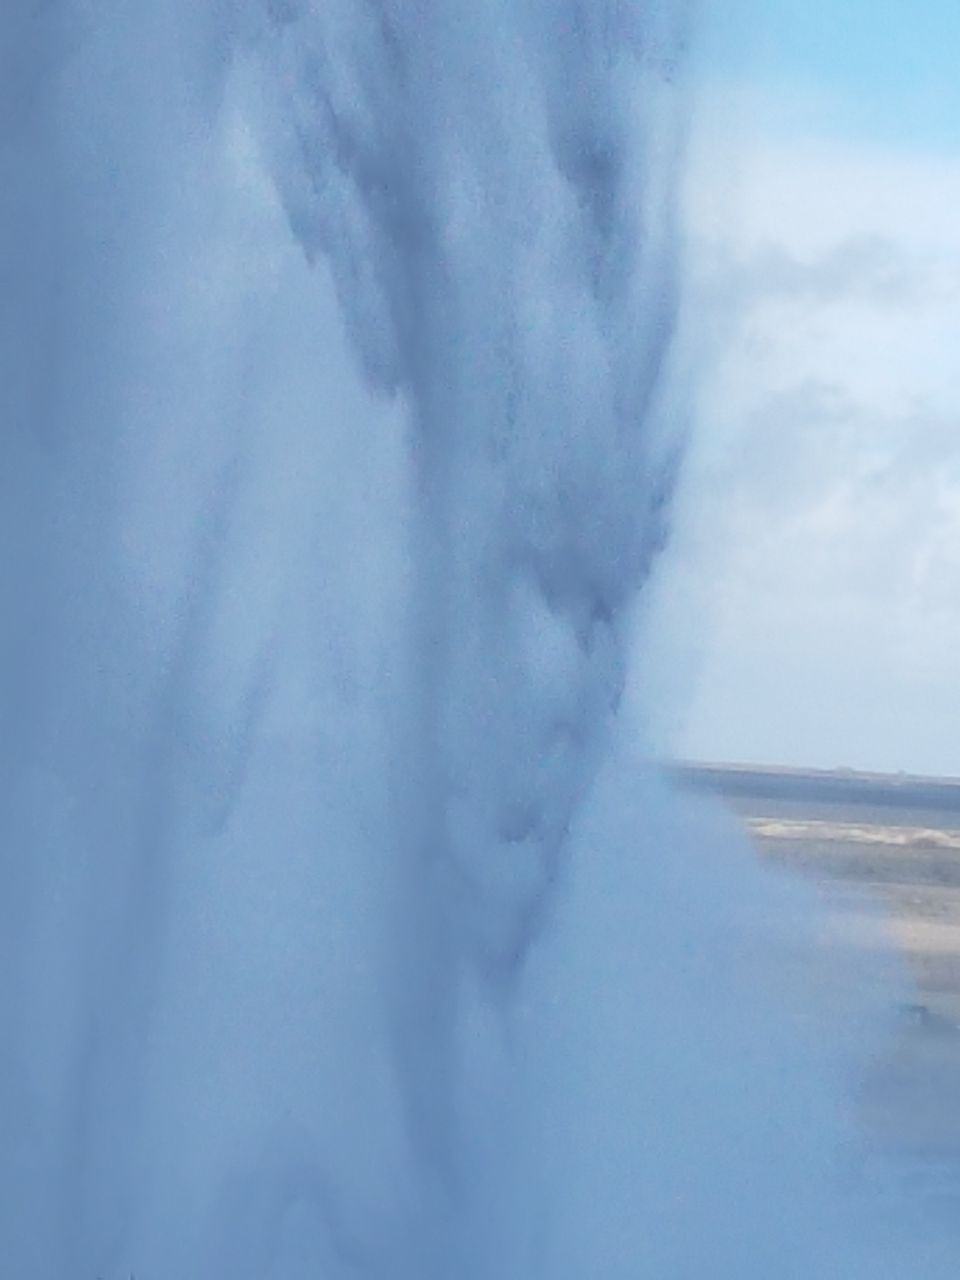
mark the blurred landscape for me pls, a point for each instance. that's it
(884, 852)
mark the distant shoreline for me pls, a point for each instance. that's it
(818, 786)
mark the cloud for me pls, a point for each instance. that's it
(814, 577)
(866, 268)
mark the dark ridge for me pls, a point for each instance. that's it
(818, 786)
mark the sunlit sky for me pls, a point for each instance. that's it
(809, 609)
(874, 69)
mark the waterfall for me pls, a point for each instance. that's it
(344, 931)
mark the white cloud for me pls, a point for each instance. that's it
(815, 573)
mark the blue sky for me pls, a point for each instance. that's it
(886, 69)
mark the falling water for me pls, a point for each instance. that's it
(343, 932)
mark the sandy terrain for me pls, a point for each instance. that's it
(895, 889)
(884, 854)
